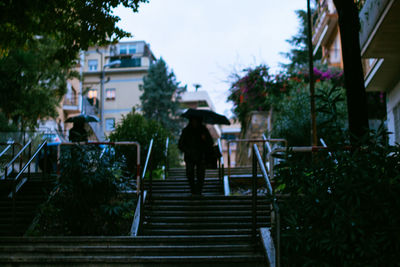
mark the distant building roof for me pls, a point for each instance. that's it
(202, 99)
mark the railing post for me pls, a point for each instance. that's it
(166, 158)
(229, 160)
(278, 236)
(12, 166)
(14, 206)
(29, 157)
(254, 196)
(45, 162)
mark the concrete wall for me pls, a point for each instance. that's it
(393, 99)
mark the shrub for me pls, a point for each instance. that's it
(342, 213)
(88, 199)
(135, 127)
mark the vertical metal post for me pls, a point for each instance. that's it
(45, 161)
(12, 156)
(29, 157)
(14, 206)
(254, 196)
(151, 181)
(166, 158)
(229, 160)
(311, 74)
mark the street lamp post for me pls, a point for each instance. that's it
(112, 63)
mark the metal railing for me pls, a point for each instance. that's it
(264, 141)
(141, 196)
(166, 166)
(18, 181)
(19, 156)
(221, 165)
(71, 100)
(257, 161)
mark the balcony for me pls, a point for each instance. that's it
(325, 24)
(71, 104)
(380, 40)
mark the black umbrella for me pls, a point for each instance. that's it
(208, 116)
(83, 118)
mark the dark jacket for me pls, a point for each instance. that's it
(195, 143)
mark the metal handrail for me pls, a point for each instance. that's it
(275, 217)
(17, 178)
(221, 164)
(19, 155)
(141, 187)
(5, 150)
(141, 194)
(263, 140)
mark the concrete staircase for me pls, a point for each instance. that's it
(32, 193)
(178, 230)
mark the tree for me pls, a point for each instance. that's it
(161, 94)
(349, 25)
(298, 54)
(76, 24)
(32, 82)
(135, 127)
(39, 45)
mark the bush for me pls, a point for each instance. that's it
(342, 213)
(135, 127)
(88, 199)
(293, 120)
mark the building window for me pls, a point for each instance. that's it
(127, 49)
(127, 62)
(110, 124)
(123, 49)
(110, 94)
(92, 64)
(132, 49)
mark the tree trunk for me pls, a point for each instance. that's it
(349, 25)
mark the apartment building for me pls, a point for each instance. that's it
(379, 42)
(111, 79)
(380, 49)
(326, 34)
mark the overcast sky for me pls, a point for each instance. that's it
(203, 41)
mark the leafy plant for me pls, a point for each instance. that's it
(341, 209)
(135, 127)
(88, 199)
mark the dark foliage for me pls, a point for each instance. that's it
(136, 127)
(75, 24)
(161, 95)
(342, 208)
(87, 199)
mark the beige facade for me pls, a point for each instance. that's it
(380, 50)
(326, 34)
(121, 81)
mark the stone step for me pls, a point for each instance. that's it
(131, 250)
(201, 225)
(206, 219)
(189, 213)
(197, 232)
(123, 240)
(228, 260)
(205, 207)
